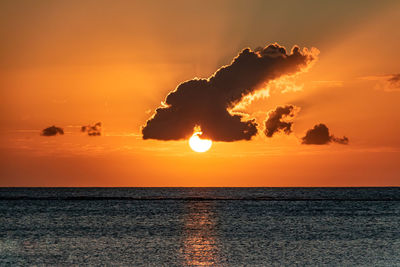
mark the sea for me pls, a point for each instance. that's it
(200, 226)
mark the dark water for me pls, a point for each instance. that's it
(200, 226)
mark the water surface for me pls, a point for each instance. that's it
(200, 226)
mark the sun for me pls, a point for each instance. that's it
(199, 145)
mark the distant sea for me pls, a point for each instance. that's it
(200, 226)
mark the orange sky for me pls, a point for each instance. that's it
(73, 63)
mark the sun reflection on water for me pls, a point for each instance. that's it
(200, 243)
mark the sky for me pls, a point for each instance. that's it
(76, 63)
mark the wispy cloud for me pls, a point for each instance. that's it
(385, 82)
(327, 83)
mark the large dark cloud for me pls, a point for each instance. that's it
(205, 102)
(275, 122)
(319, 135)
(52, 130)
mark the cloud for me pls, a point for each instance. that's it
(344, 140)
(275, 122)
(52, 130)
(319, 135)
(94, 130)
(387, 82)
(206, 103)
(317, 84)
(394, 81)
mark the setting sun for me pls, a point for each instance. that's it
(199, 145)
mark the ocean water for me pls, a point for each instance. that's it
(200, 226)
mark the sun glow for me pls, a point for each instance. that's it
(199, 145)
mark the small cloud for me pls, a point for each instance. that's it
(276, 120)
(92, 130)
(319, 135)
(343, 141)
(387, 82)
(52, 131)
(394, 81)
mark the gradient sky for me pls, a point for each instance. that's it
(73, 63)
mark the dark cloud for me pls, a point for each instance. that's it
(344, 140)
(52, 130)
(92, 130)
(275, 122)
(319, 135)
(394, 80)
(205, 102)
